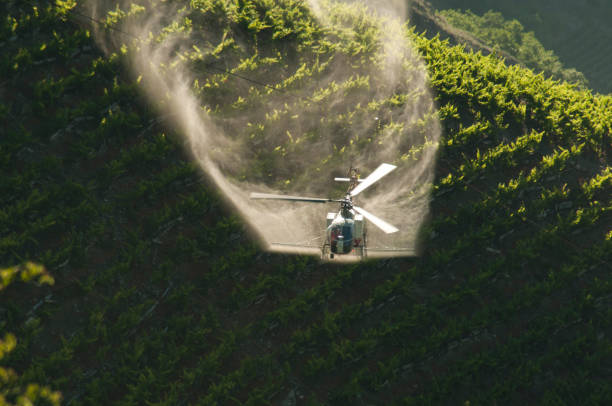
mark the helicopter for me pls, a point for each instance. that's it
(346, 232)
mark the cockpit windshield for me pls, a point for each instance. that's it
(347, 232)
(341, 241)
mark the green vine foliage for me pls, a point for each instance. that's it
(12, 391)
(511, 37)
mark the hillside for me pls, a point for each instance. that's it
(427, 20)
(578, 32)
(511, 37)
(163, 296)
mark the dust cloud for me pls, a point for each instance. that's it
(292, 140)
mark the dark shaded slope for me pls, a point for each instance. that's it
(423, 17)
(578, 32)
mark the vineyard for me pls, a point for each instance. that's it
(510, 36)
(577, 32)
(162, 296)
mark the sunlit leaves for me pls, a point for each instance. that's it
(25, 273)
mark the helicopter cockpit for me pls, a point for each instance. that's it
(341, 238)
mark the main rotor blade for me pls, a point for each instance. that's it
(381, 171)
(292, 198)
(347, 180)
(383, 225)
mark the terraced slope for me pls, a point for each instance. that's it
(427, 20)
(578, 32)
(161, 296)
(493, 29)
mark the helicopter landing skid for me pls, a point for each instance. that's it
(327, 255)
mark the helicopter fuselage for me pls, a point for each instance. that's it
(345, 232)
